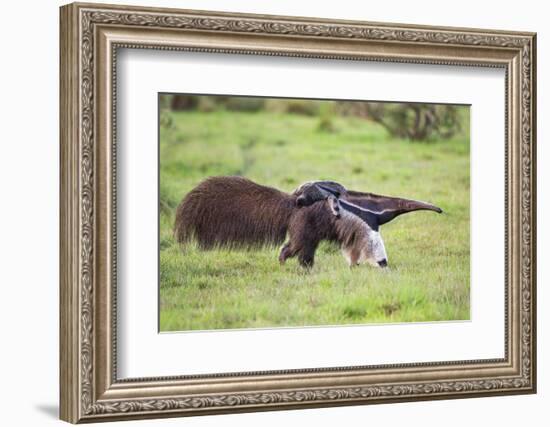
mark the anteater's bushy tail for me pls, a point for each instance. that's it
(233, 212)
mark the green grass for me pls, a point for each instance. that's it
(429, 254)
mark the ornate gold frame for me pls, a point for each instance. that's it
(90, 36)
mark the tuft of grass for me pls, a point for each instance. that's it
(429, 254)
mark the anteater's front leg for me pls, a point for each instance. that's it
(304, 250)
(306, 255)
(285, 253)
(302, 242)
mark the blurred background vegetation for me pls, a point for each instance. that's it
(419, 151)
(414, 121)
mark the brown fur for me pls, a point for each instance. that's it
(236, 212)
(233, 212)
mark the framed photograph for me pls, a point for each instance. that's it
(265, 212)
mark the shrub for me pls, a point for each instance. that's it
(183, 102)
(244, 104)
(304, 107)
(326, 118)
(417, 122)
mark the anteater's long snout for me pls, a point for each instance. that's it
(414, 205)
(383, 263)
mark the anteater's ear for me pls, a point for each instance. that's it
(315, 191)
(385, 208)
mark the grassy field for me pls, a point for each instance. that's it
(429, 255)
